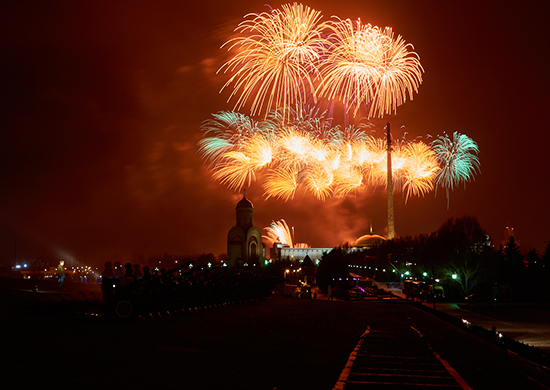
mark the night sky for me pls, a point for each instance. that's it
(102, 102)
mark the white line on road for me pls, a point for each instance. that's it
(344, 375)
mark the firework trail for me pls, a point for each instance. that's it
(458, 160)
(289, 57)
(277, 58)
(287, 60)
(366, 66)
(334, 164)
(279, 232)
(421, 169)
(225, 133)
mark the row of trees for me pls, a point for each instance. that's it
(459, 254)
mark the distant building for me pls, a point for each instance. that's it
(285, 252)
(298, 254)
(244, 240)
(368, 241)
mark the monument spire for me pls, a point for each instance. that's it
(391, 228)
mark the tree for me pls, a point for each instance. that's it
(512, 270)
(544, 275)
(333, 265)
(464, 251)
(546, 255)
(465, 272)
(532, 260)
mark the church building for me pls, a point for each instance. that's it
(244, 240)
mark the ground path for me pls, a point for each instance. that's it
(279, 343)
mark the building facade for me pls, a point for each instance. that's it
(244, 240)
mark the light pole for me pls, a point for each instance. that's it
(433, 285)
(286, 272)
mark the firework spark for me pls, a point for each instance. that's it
(421, 170)
(281, 184)
(458, 160)
(288, 59)
(367, 67)
(279, 232)
(341, 162)
(277, 58)
(225, 133)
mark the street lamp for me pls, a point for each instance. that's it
(286, 272)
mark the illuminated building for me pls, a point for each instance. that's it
(368, 241)
(244, 240)
(300, 251)
(296, 254)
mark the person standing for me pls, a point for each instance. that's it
(61, 273)
(106, 282)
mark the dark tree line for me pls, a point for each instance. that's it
(459, 255)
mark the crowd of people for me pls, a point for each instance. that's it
(129, 271)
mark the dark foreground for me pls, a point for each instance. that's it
(278, 343)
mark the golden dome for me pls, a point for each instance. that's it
(368, 241)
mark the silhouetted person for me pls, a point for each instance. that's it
(146, 273)
(61, 273)
(106, 282)
(119, 271)
(128, 270)
(137, 271)
(108, 271)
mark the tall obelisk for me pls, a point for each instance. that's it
(391, 228)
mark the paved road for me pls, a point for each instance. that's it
(397, 357)
(402, 350)
(279, 343)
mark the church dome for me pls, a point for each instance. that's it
(244, 204)
(368, 241)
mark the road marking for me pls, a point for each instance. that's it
(537, 382)
(403, 384)
(446, 364)
(344, 375)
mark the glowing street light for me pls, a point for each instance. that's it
(286, 272)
